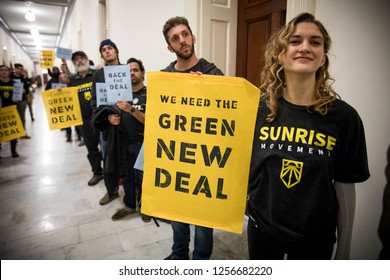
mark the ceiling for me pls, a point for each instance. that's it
(51, 17)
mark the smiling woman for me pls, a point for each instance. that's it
(299, 197)
(305, 54)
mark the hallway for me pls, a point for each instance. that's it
(49, 212)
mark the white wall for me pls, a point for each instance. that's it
(82, 31)
(361, 65)
(11, 52)
(136, 28)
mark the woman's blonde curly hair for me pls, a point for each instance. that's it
(272, 76)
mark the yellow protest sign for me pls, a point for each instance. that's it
(62, 107)
(11, 126)
(47, 59)
(198, 140)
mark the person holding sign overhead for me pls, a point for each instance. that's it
(181, 41)
(83, 81)
(309, 150)
(6, 89)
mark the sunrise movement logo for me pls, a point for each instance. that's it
(291, 172)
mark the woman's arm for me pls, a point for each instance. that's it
(346, 196)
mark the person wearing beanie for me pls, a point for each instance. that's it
(107, 42)
(110, 54)
(115, 132)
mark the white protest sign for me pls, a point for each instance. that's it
(118, 83)
(55, 85)
(64, 53)
(17, 94)
(101, 95)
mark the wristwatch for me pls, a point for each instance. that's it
(132, 110)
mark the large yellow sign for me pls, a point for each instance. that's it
(198, 140)
(11, 126)
(62, 107)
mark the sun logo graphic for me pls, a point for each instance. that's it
(291, 172)
(87, 95)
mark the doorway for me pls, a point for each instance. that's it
(257, 21)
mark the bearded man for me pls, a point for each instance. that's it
(83, 81)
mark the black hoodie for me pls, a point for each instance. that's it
(202, 66)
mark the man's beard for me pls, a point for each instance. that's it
(82, 68)
(185, 56)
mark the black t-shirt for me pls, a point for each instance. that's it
(84, 90)
(134, 128)
(6, 91)
(295, 161)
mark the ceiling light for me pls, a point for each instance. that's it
(30, 16)
(34, 31)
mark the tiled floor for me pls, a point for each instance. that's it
(49, 212)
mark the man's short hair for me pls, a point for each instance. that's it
(172, 22)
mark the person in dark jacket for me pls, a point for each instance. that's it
(181, 41)
(110, 54)
(55, 78)
(83, 81)
(6, 89)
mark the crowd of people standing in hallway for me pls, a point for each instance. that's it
(297, 92)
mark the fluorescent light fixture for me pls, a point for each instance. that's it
(34, 31)
(30, 16)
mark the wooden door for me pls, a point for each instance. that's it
(257, 21)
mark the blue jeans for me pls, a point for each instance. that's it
(203, 243)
